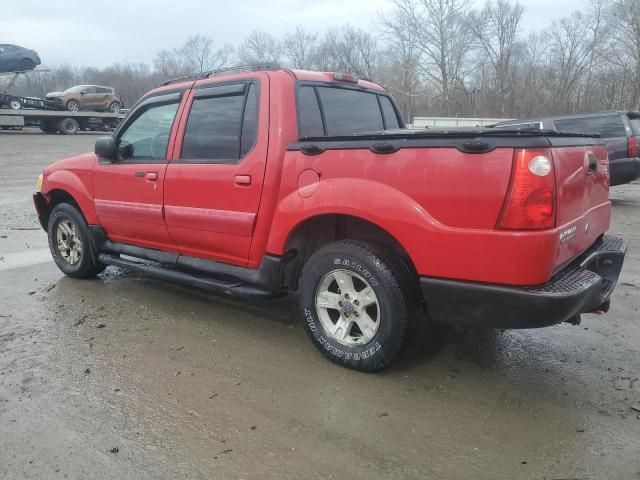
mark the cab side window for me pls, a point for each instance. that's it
(146, 137)
(223, 124)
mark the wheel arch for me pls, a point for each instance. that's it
(66, 187)
(316, 231)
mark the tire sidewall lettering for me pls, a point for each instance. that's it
(335, 349)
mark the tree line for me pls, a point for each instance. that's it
(437, 57)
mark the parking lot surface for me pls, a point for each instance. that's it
(128, 377)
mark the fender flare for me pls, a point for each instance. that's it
(389, 209)
(72, 184)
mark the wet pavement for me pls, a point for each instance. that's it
(128, 377)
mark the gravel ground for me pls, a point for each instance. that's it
(128, 377)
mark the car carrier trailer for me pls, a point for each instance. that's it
(53, 121)
(24, 111)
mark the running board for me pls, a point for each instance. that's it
(235, 289)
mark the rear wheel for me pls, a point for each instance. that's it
(69, 242)
(357, 303)
(15, 104)
(115, 107)
(68, 126)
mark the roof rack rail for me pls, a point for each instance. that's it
(225, 70)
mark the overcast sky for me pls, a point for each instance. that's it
(86, 32)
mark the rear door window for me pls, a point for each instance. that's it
(608, 126)
(222, 125)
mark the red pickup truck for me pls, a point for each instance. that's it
(263, 182)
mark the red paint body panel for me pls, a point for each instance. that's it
(74, 176)
(440, 204)
(129, 207)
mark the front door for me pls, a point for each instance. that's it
(128, 192)
(214, 182)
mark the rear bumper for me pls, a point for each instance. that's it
(585, 285)
(624, 170)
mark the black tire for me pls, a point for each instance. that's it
(73, 106)
(84, 267)
(27, 64)
(396, 303)
(115, 107)
(68, 126)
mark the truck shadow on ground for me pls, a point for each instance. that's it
(425, 340)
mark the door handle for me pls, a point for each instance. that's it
(243, 179)
(151, 176)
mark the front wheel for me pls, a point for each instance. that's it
(357, 302)
(73, 106)
(69, 242)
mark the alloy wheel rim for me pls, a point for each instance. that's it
(74, 107)
(347, 308)
(68, 241)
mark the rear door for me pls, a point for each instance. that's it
(128, 192)
(103, 96)
(213, 184)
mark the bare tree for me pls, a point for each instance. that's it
(349, 50)
(299, 48)
(440, 33)
(259, 47)
(625, 15)
(496, 29)
(570, 51)
(198, 54)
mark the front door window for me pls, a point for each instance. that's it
(147, 137)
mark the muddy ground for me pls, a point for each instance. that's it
(128, 377)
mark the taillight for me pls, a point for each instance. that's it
(633, 146)
(531, 199)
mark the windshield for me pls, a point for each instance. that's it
(76, 89)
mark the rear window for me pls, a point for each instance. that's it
(390, 115)
(309, 115)
(608, 126)
(343, 111)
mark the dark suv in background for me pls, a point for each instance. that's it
(619, 130)
(15, 58)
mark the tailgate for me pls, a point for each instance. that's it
(583, 207)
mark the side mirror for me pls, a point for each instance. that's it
(106, 148)
(83, 93)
